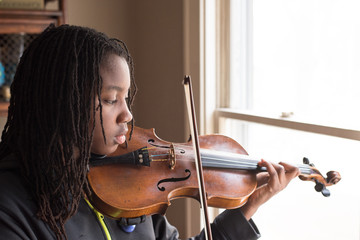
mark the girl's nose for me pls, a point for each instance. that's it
(125, 115)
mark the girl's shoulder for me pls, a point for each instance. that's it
(11, 184)
(14, 194)
(17, 209)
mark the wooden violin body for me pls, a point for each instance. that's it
(128, 190)
(152, 172)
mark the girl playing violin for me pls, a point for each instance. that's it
(71, 97)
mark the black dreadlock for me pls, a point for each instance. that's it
(52, 113)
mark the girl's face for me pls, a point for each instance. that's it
(115, 74)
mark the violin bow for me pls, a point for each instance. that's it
(195, 140)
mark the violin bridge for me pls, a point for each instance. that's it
(172, 157)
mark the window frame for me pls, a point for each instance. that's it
(214, 110)
(216, 60)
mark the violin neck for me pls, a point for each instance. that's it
(217, 159)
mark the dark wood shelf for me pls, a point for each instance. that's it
(16, 21)
(29, 21)
(34, 13)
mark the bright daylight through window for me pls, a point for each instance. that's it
(292, 90)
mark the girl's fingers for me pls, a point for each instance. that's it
(269, 167)
(290, 173)
(279, 174)
(262, 178)
(270, 183)
(273, 183)
(291, 170)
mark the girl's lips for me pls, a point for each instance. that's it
(120, 139)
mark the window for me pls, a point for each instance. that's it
(287, 76)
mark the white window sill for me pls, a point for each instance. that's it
(290, 123)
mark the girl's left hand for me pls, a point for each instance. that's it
(270, 183)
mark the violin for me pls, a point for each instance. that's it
(142, 176)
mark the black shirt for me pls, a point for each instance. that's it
(18, 220)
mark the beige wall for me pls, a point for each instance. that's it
(108, 16)
(153, 31)
(156, 42)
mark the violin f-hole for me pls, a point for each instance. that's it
(173, 180)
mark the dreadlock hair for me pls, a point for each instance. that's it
(52, 113)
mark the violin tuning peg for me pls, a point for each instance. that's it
(306, 161)
(319, 187)
(325, 192)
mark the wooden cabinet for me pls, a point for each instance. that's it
(31, 21)
(22, 22)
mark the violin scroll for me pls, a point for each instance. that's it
(312, 174)
(333, 177)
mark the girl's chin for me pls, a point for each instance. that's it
(105, 150)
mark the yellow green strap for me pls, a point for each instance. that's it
(101, 220)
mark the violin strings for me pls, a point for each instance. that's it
(157, 155)
(160, 160)
(247, 164)
(239, 161)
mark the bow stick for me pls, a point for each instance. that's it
(195, 141)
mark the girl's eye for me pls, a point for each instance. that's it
(110, 101)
